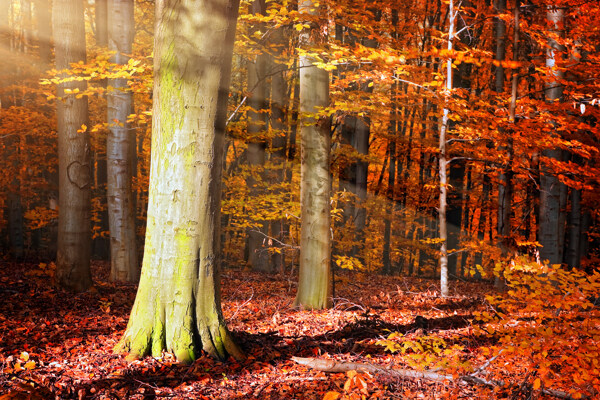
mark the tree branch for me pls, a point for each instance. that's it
(342, 366)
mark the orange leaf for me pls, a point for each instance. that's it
(331, 395)
(537, 384)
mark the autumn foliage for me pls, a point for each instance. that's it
(521, 155)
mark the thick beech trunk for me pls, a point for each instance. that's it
(177, 307)
(314, 286)
(74, 169)
(119, 145)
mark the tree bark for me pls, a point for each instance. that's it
(74, 169)
(101, 19)
(443, 163)
(258, 255)
(573, 256)
(333, 366)
(44, 36)
(551, 232)
(177, 307)
(279, 106)
(119, 145)
(314, 286)
(505, 187)
(101, 243)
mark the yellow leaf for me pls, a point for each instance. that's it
(30, 365)
(537, 384)
(24, 356)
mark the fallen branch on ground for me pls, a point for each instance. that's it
(342, 366)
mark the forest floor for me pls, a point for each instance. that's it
(54, 344)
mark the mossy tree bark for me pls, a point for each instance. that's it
(177, 307)
(314, 285)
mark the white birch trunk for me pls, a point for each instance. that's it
(443, 162)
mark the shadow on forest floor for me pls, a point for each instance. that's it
(70, 338)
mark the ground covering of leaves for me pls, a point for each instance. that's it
(54, 344)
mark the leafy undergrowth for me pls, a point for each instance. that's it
(58, 345)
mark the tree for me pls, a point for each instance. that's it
(279, 105)
(74, 169)
(119, 145)
(314, 282)
(177, 307)
(552, 191)
(101, 242)
(443, 161)
(258, 255)
(44, 35)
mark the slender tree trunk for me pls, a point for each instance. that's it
(505, 187)
(361, 136)
(101, 20)
(101, 243)
(44, 37)
(119, 145)
(258, 255)
(177, 307)
(387, 230)
(573, 257)
(443, 163)
(314, 286)
(551, 231)
(74, 169)
(279, 105)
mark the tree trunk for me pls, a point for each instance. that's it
(550, 228)
(177, 307)
(314, 286)
(387, 230)
(74, 169)
(443, 163)
(101, 19)
(44, 36)
(573, 257)
(279, 105)
(119, 145)
(505, 187)
(101, 243)
(258, 255)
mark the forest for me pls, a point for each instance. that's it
(299, 199)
